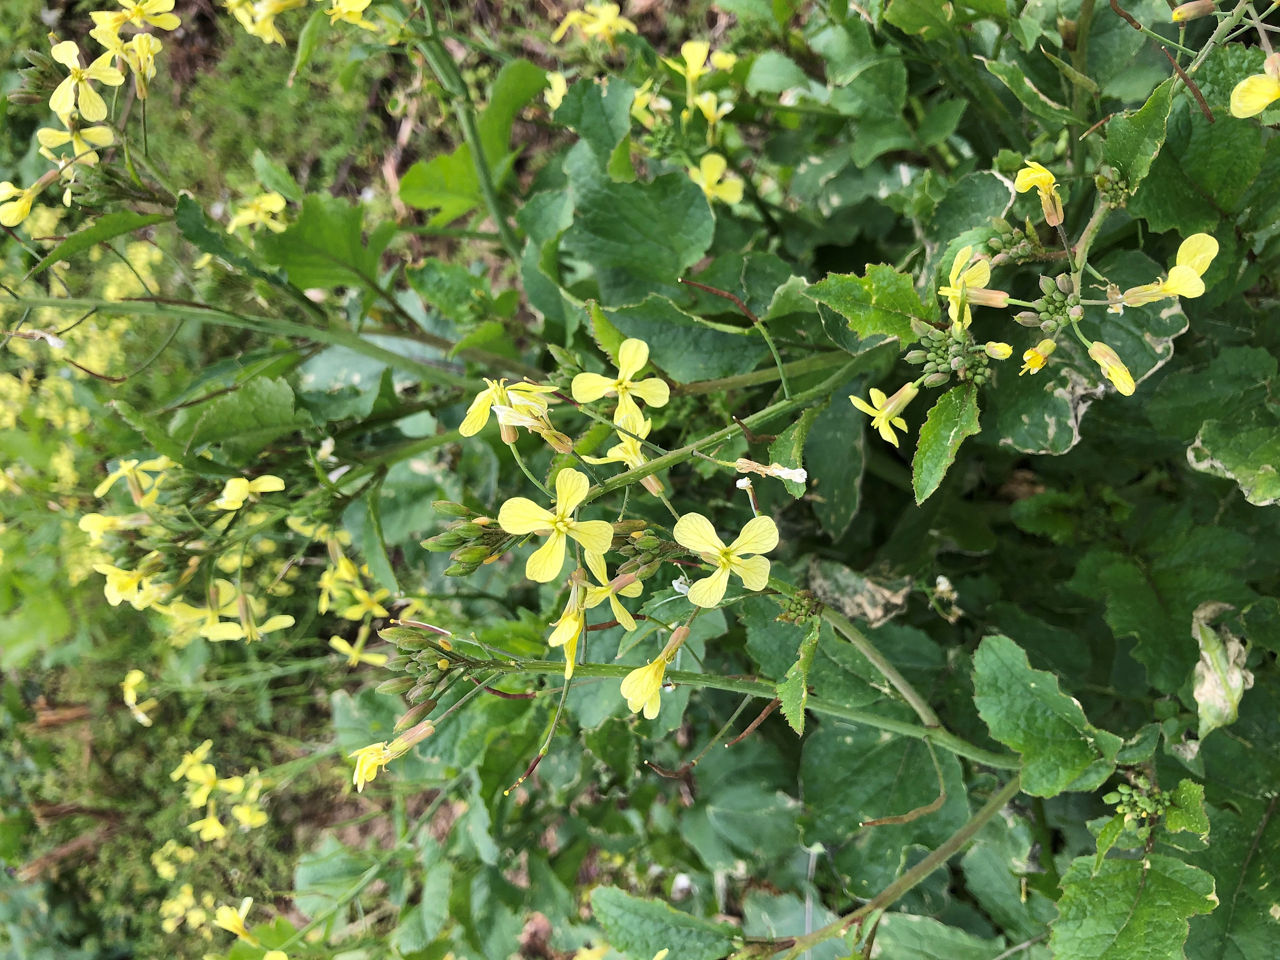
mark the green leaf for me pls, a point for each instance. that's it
(639, 237)
(787, 450)
(275, 177)
(421, 924)
(1129, 909)
(1235, 383)
(245, 420)
(953, 417)
(518, 82)
(970, 204)
(1246, 450)
(1242, 859)
(1220, 677)
(374, 546)
(882, 303)
(902, 936)
(1025, 709)
(1027, 93)
(685, 347)
(1186, 811)
(927, 18)
(793, 689)
(104, 228)
(774, 72)
(325, 875)
(194, 224)
(837, 446)
(1135, 137)
(599, 113)
(641, 928)
(1071, 73)
(308, 39)
(325, 247)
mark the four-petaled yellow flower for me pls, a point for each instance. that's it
(631, 431)
(232, 920)
(632, 356)
(140, 54)
(710, 176)
(77, 89)
(249, 815)
(713, 111)
(1254, 94)
(568, 629)
(190, 760)
(209, 828)
(1033, 360)
(623, 586)
(1195, 254)
(1112, 367)
(520, 515)
(965, 285)
(371, 759)
(642, 687)
(366, 603)
(351, 11)
(139, 14)
(259, 211)
(83, 139)
(886, 412)
(602, 20)
(498, 393)
(1035, 175)
(356, 654)
(237, 490)
(695, 532)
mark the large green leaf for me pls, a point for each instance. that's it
(244, 421)
(1025, 709)
(326, 247)
(1242, 854)
(837, 444)
(1027, 93)
(641, 928)
(600, 113)
(686, 348)
(953, 417)
(1129, 909)
(881, 303)
(106, 227)
(1135, 137)
(1246, 450)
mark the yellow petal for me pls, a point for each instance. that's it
(1183, 281)
(695, 54)
(754, 572)
(760, 535)
(1197, 252)
(695, 532)
(1034, 176)
(712, 168)
(596, 536)
(1253, 94)
(596, 564)
(653, 391)
(709, 591)
(571, 486)
(878, 397)
(958, 265)
(477, 414)
(522, 515)
(632, 355)
(64, 97)
(545, 563)
(266, 484)
(92, 107)
(863, 406)
(590, 386)
(66, 53)
(977, 275)
(620, 613)
(730, 191)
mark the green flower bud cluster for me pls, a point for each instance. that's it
(645, 552)
(1014, 244)
(469, 542)
(425, 664)
(950, 352)
(1059, 305)
(1113, 189)
(803, 606)
(1142, 802)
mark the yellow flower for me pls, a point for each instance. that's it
(356, 655)
(695, 532)
(885, 412)
(629, 450)
(275, 955)
(632, 356)
(82, 139)
(646, 104)
(209, 828)
(350, 11)
(623, 586)
(136, 13)
(76, 89)
(135, 681)
(140, 54)
(595, 20)
(530, 413)
(370, 759)
(642, 687)
(713, 111)
(237, 490)
(1034, 175)
(1112, 367)
(710, 176)
(249, 815)
(1033, 360)
(366, 603)
(134, 587)
(190, 760)
(232, 920)
(1195, 254)
(1254, 94)
(16, 210)
(964, 283)
(520, 515)
(557, 87)
(259, 211)
(497, 392)
(568, 629)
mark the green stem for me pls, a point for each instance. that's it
(821, 361)
(526, 471)
(767, 690)
(1080, 60)
(668, 460)
(880, 662)
(912, 877)
(1087, 236)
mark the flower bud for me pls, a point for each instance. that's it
(997, 350)
(1190, 11)
(988, 298)
(396, 685)
(1028, 318)
(936, 379)
(1034, 359)
(915, 356)
(476, 553)
(1113, 367)
(450, 509)
(414, 714)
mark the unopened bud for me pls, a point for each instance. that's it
(444, 542)
(915, 356)
(1047, 285)
(476, 553)
(1064, 282)
(983, 297)
(997, 350)
(936, 379)
(1028, 318)
(461, 569)
(414, 714)
(396, 685)
(468, 530)
(1193, 10)
(450, 509)
(620, 582)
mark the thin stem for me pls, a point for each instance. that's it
(821, 361)
(759, 324)
(525, 470)
(914, 876)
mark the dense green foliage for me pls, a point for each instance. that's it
(344, 342)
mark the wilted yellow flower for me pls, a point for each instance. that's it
(1112, 367)
(710, 176)
(237, 490)
(1254, 94)
(633, 354)
(965, 285)
(140, 54)
(1192, 10)
(568, 629)
(232, 920)
(371, 759)
(77, 89)
(557, 87)
(695, 532)
(642, 687)
(1035, 175)
(135, 681)
(1033, 360)
(886, 412)
(498, 393)
(601, 20)
(520, 515)
(1195, 254)
(622, 586)
(83, 139)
